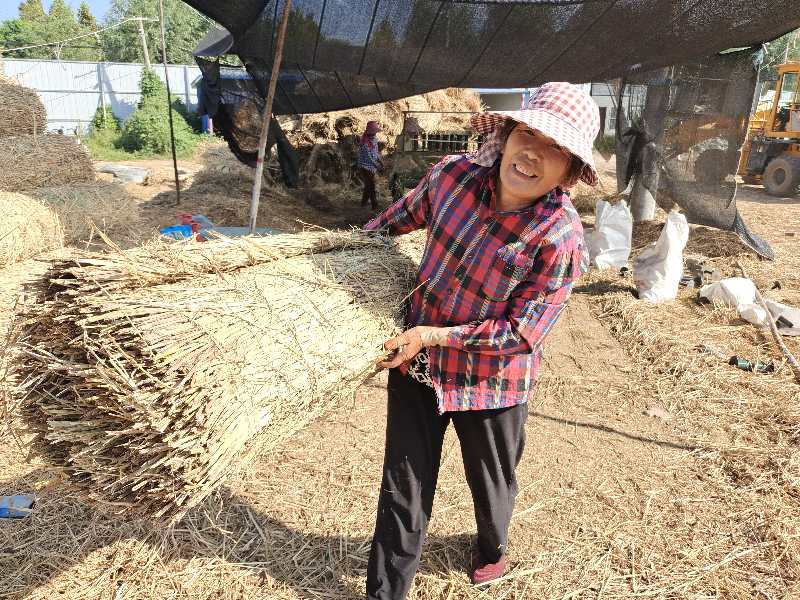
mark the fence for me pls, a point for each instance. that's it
(72, 91)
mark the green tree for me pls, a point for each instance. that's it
(184, 28)
(777, 53)
(34, 27)
(31, 10)
(86, 18)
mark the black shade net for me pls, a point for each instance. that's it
(680, 129)
(685, 123)
(346, 53)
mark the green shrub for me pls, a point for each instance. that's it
(193, 119)
(151, 87)
(605, 144)
(104, 119)
(147, 131)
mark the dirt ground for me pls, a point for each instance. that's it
(651, 470)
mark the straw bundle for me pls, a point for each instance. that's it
(83, 207)
(28, 162)
(27, 228)
(21, 110)
(145, 394)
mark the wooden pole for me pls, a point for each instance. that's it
(262, 139)
(144, 43)
(169, 103)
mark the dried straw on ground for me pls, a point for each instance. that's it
(22, 110)
(146, 395)
(27, 227)
(84, 207)
(35, 161)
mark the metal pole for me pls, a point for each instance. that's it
(144, 42)
(169, 103)
(262, 139)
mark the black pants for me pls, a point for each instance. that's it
(368, 177)
(491, 445)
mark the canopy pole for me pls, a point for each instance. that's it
(169, 104)
(262, 139)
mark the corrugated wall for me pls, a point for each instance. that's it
(72, 91)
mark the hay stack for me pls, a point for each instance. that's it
(332, 126)
(33, 161)
(21, 110)
(145, 394)
(27, 227)
(86, 206)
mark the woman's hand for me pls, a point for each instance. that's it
(409, 343)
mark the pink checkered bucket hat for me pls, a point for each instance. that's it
(561, 111)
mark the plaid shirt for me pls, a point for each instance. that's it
(501, 278)
(369, 157)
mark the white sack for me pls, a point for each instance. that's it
(610, 241)
(658, 269)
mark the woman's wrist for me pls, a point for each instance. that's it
(433, 336)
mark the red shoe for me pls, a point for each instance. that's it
(482, 571)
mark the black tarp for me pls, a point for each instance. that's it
(346, 53)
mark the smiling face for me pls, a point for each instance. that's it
(531, 166)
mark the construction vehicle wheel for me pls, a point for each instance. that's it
(711, 167)
(782, 176)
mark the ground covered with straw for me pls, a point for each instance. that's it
(653, 469)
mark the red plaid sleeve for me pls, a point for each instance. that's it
(410, 212)
(534, 308)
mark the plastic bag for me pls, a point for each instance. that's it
(658, 269)
(740, 293)
(610, 241)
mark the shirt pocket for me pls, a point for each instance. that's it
(509, 268)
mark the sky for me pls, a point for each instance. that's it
(8, 8)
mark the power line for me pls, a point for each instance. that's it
(77, 37)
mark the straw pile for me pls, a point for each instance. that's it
(143, 375)
(87, 206)
(34, 161)
(27, 228)
(21, 110)
(321, 127)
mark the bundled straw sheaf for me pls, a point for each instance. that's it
(21, 109)
(145, 384)
(34, 161)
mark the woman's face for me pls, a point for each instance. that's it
(531, 166)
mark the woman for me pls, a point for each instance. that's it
(504, 248)
(369, 161)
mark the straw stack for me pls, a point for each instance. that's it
(144, 384)
(27, 227)
(34, 161)
(21, 110)
(83, 207)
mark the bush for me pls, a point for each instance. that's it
(105, 119)
(605, 144)
(151, 87)
(147, 131)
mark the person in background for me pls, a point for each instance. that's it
(504, 248)
(369, 162)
